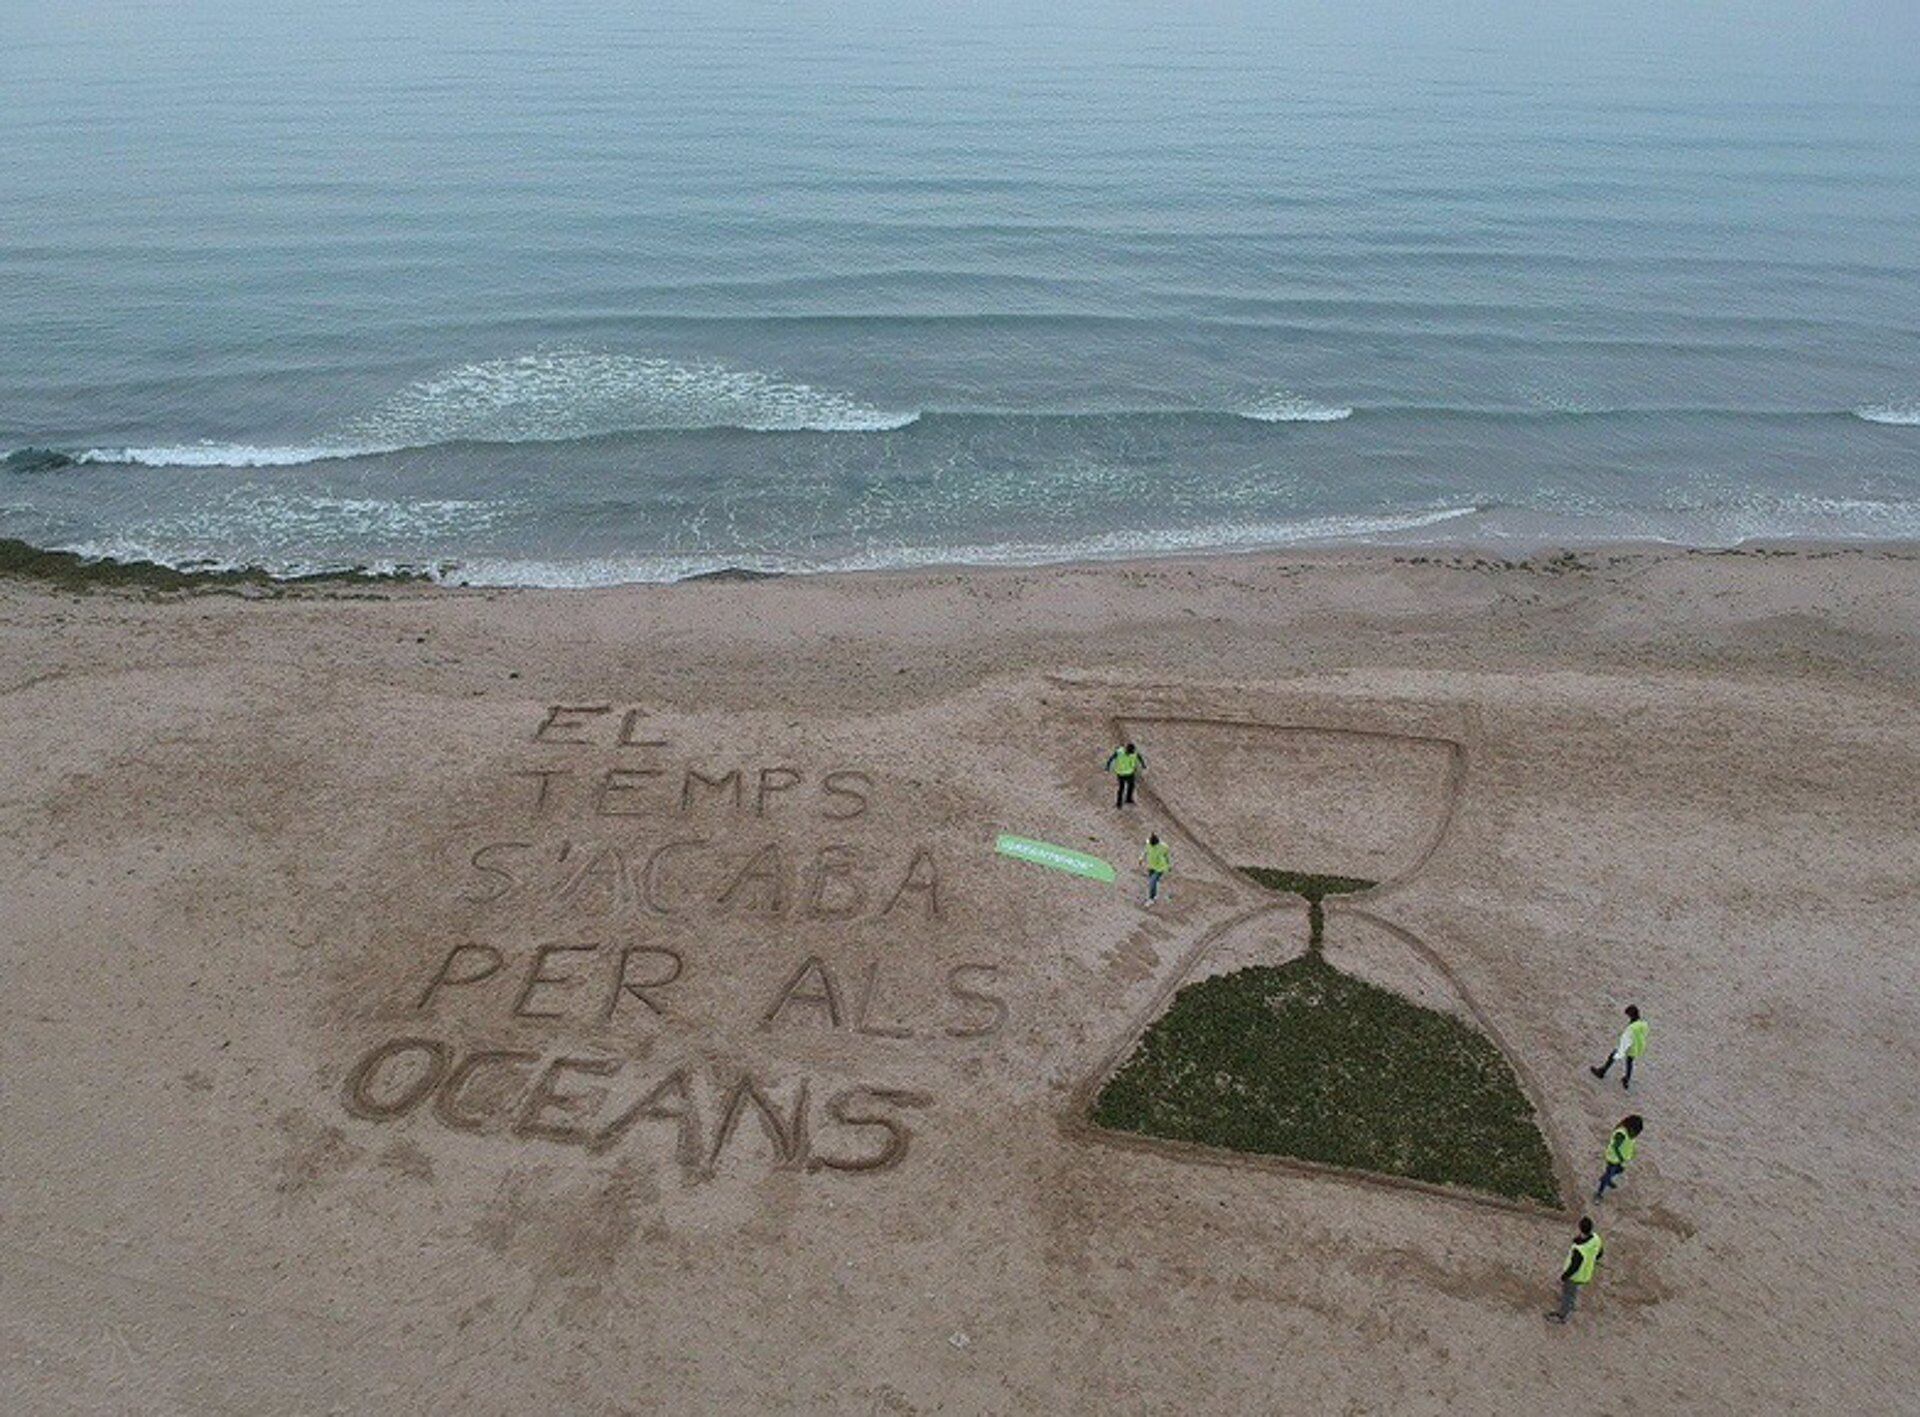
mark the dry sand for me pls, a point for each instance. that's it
(825, 1151)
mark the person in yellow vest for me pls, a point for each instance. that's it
(1620, 1148)
(1582, 1259)
(1158, 859)
(1633, 1042)
(1125, 763)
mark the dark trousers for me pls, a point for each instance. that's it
(1122, 789)
(1626, 1078)
(1569, 1296)
(1608, 1179)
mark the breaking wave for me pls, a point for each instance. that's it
(570, 396)
(1283, 407)
(549, 397)
(234, 454)
(566, 394)
(1903, 415)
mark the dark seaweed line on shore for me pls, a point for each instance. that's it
(71, 571)
(68, 570)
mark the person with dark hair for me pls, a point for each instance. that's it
(1158, 860)
(1582, 1259)
(1126, 763)
(1633, 1042)
(1620, 1148)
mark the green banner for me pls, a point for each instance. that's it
(1059, 858)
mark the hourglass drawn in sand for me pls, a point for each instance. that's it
(1310, 1030)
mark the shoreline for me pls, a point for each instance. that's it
(22, 561)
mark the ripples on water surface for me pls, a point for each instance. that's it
(576, 292)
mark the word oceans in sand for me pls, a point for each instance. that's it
(599, 1103)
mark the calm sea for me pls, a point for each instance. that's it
(566, 292)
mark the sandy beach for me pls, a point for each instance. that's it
(438, 1000)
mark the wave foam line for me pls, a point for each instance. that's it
(1283, 407)
(1900, 415)
(486, 404)
(552, 396)
(561, 395)
(235, 454)
(1256, 536)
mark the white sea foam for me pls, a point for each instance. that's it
(1281, 406)
(255, 525)
(1709, 514)
(558, 395)
(234, 454)
(1805, 516)
(1902, 414)
(1248, 536)
(549, 397)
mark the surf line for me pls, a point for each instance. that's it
(1057, 858)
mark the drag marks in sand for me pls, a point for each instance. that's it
(1261, 1047)
(734, 960)
(588, 1005)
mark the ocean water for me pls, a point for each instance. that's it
(572, 292)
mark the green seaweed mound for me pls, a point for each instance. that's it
(1301, 1060)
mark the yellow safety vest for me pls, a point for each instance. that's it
(1584, 1255)
(1159, 857)
(1620, 1147)
(1636, 1037)
(1125, 764)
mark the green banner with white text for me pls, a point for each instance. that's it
(1058, 858)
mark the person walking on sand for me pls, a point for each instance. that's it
(1620, 1148)
(1125, 763)
(1158, 860)
(1633, 1042)
(1582, 1259)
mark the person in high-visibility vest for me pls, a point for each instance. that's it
(1582, 1259)
(1158, 859)
(1620, 1148)
(1633, 1042)
(1125, 763)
